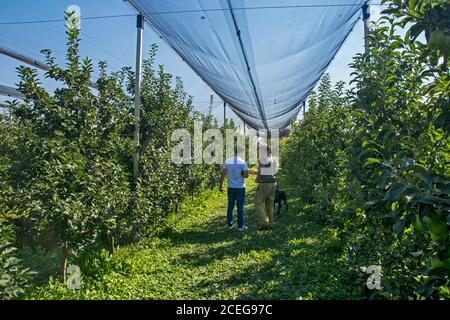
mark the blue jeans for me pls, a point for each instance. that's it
(236, 196)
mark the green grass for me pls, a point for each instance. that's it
(196, 257)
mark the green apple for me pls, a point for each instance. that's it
(418, 226)
(436, 263)
(439, 40)
(438, 230)
(427, 220)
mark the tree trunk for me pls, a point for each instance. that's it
(113, 245)
(64, 260)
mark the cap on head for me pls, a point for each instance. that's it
(265, 149)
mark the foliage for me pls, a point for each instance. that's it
(194, 256)
(66, 158)
(390, 171)
(368, 169)
(429, 16)
(69, 148)
(314, 157)
(163, 185)
(14, 278)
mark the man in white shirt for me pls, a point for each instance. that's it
(236, 170)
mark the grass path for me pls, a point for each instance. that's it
(196, 257)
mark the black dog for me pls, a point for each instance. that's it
(280, 196)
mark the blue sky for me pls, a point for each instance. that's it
(114, 40)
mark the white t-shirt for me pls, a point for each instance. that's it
(234, 167)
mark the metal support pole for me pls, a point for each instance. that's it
(366, 19)
(224, 113)
(304, 108)
(137, 95)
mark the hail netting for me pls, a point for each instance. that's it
(262, 57)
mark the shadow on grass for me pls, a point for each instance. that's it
(295, 259)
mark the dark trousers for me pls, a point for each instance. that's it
(236, 196)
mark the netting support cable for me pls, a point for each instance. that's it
(137, 94)
(30, 61)
(258, 100)
(10, 92)
(22, 58)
